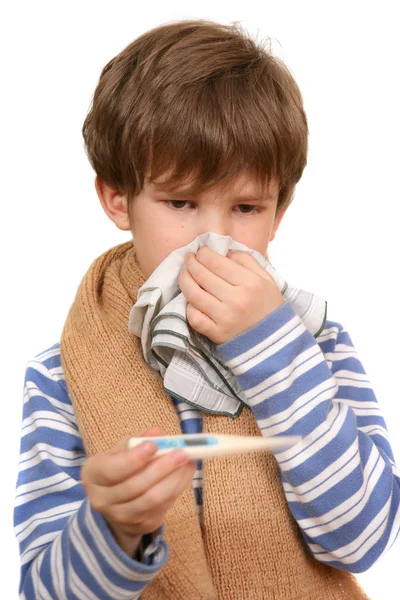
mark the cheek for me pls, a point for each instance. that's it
(255, 239)
(154, 244)
(263, 236)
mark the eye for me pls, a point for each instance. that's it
(177, 204)
(248, 208)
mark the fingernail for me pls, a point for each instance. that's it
(147, 448)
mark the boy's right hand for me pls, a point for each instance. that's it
(132, 491)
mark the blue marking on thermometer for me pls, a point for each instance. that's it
(171, 443)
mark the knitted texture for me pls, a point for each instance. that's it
(249, 547)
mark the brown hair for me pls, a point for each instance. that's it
(198, 100)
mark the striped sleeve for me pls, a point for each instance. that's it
(340, 480)
(66, 547)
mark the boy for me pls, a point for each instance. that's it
(195, 129)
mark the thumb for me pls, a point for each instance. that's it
(123, 443)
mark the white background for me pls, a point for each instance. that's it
(339, 238)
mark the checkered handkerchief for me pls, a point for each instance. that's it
(187, 361)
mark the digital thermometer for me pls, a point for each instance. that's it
(205, 445)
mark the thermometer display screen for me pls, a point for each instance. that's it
(196, 442)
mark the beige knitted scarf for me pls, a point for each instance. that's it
(249, 547)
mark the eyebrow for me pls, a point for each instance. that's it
(189, 193)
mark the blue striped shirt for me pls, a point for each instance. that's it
(341, 483)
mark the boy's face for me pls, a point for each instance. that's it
(161, 222)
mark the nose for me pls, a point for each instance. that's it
(214, 221)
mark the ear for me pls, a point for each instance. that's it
(114, 203)
(277, 221)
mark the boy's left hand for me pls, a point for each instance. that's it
(226, 295)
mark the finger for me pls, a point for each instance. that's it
(199, 298)
(109, 469)
(137, 485)
(207, 280)
(164, 492)
(123, 443)
(248, 261)
(185, 479)
(226, 269)
(201, 322)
